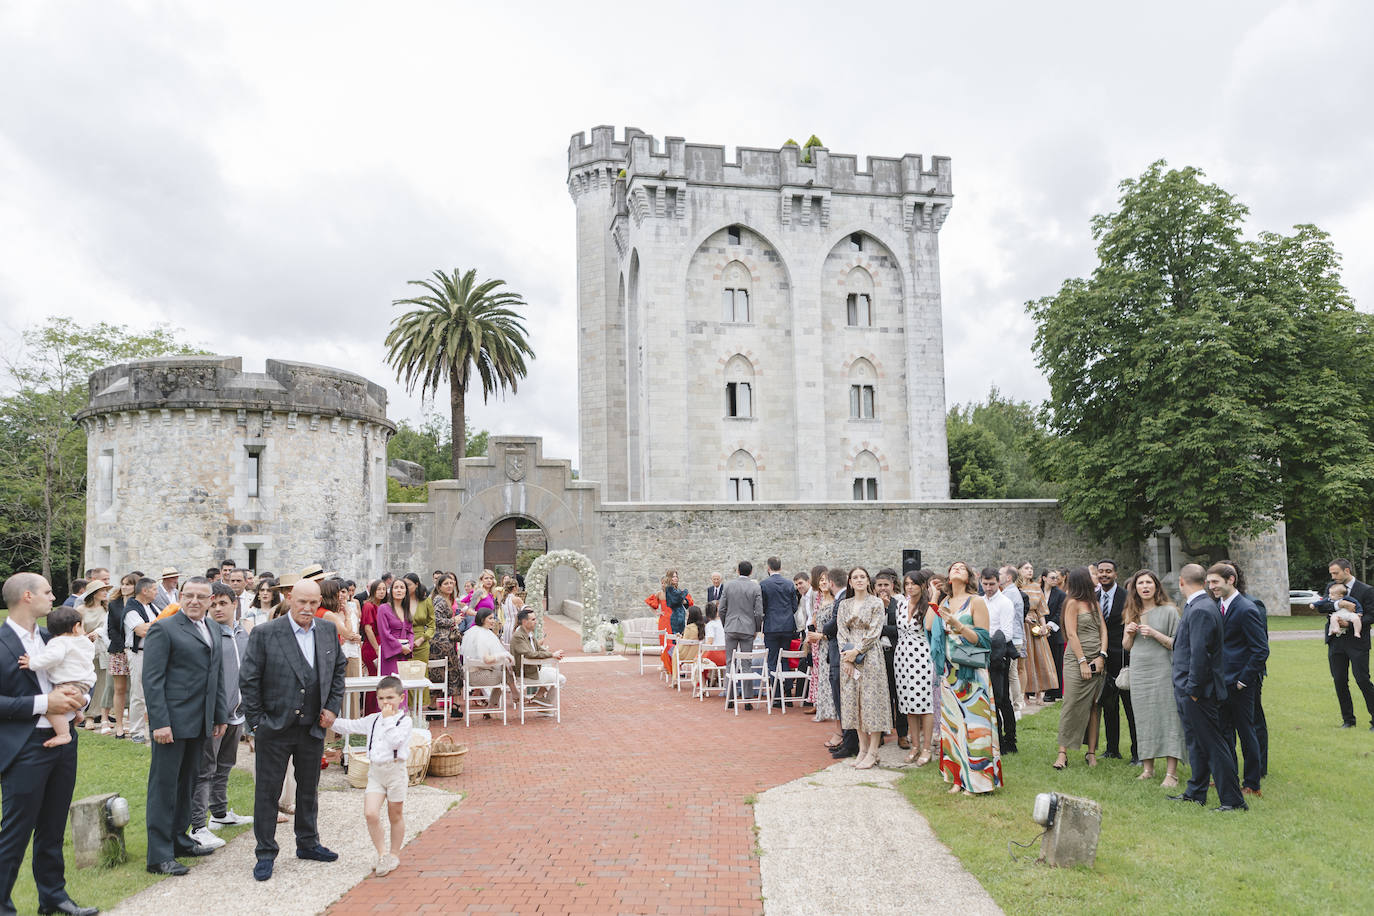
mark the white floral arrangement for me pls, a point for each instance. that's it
(535, 582)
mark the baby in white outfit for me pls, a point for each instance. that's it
(1345, 610)
(67, 658)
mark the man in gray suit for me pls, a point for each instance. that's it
(292, 681)
(210, 801)
(181, 686)
(741, 613)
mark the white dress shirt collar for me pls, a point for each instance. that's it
(305, 638)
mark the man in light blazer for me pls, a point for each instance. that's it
(182, 669)
(292, 684)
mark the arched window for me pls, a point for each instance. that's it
(739, 387)
(859, 299)
(734, 294)
(741, 472)
(862, 390)
(866, 476)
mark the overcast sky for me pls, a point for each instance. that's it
(268, 176)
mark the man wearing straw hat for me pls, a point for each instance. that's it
(167, 588)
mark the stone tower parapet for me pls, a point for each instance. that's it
(191, 460)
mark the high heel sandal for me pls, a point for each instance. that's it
(923, 759)
(1090, 759)
(869, 761)
(1062, 762)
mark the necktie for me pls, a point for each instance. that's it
(1223, 608)
(1106, 604)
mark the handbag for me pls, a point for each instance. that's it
(968, 655)
(1123, 679)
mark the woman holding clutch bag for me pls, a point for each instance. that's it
(864, 702)
(960, 642)
(1085, 664)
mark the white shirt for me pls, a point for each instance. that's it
(387, 739)
(141, 614)
(1001, 614)
(32, 643)
(715, 633)
(306, 640)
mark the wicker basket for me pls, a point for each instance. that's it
(417, 763)
(446, 757)
(412, 670)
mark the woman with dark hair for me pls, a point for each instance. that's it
(446, 634)
(265, 598)
(676, 599)
(95, 615)
(1085, 664)
(970, 757)
(395, 638)
(118, 657)
(1150, 623)
(421, 617)
(367, 624)
(864, 701)
(483, 655)
(912, 666)
(819, 692)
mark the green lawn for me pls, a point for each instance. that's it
(1306, 622)
(107, 765)
(1300, 849)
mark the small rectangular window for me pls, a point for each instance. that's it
(859, 310)
(858, 488)
(867, 406)
(856, 242)
(865, 488)
(732, 235)
(253, 559)
(727, 304)
(742, 305)
(741, 489)
(671, 206)
(861, 402)
(851, 310)
(253, 472)
(872, 488)
(105, 489)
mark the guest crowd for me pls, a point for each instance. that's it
(192, 667)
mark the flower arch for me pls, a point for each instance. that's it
(536, 579)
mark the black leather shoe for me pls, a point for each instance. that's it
(69, 907)
(1185, 798)
(262, 869)
(842, 752)
(1112, 755)
(1348, 725)
(749, 707)
(317, 853)
(170, 867)
(196, 850)
(1135, 762)
(1241, 807)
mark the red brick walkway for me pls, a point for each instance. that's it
(634, 804)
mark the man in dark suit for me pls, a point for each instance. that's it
(1349, 654)
(1054, 614)
(1199, 688)
(1113, 601)
(780, 601)
(182, 668)
(1245, 647)
(36, 781)
(292, 684)
(714, 589)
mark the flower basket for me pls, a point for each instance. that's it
(358, 765)
(417, 764)
(446, 757)
(412, 670)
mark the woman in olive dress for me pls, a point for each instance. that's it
(1085, 665)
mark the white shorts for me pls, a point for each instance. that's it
(389, 779)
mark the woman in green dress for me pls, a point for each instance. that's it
(1085, 665)
(422, 622)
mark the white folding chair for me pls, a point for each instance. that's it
(747, 668)
(470, 690)
(686, 668)
(640, 635)
(524, 689)
(670, 646)
(783, 674)
(440, 665)
(706, 672)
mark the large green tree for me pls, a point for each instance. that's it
(42, 452)
(1019, 439)
(1202, 381)
(458, 328)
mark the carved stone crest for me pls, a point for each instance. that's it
(515, 465)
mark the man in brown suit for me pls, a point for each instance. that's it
(526, 648)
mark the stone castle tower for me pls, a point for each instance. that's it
(762, 329)
(191, 460)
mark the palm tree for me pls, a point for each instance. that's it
(458, 325)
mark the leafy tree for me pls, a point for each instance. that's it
(430, 445)
(459, 326)
(1021, 441)
(976, 467)
(42, 452)
(1201, 381)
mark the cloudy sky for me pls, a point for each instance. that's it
(268, 176)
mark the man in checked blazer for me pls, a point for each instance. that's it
(292, 684)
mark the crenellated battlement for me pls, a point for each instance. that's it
(218, 383)
(644, 158)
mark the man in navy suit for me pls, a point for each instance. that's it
(1245, 647)
(36, 781)
(1348, 654)
(1199, 688)
(780, 600)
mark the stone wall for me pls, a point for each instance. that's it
(639, 542)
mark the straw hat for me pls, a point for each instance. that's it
(287, 581)
(95, 586)
(169, 572)
(313, 571)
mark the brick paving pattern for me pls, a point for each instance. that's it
(635, 803)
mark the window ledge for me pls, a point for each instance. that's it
(742, 419)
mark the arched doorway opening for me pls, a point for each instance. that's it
(512, 544)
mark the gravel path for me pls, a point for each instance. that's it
(297, 886)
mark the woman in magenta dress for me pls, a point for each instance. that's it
(394, 635)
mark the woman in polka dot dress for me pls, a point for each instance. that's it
(912, 666)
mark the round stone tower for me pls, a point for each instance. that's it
(191, 460)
